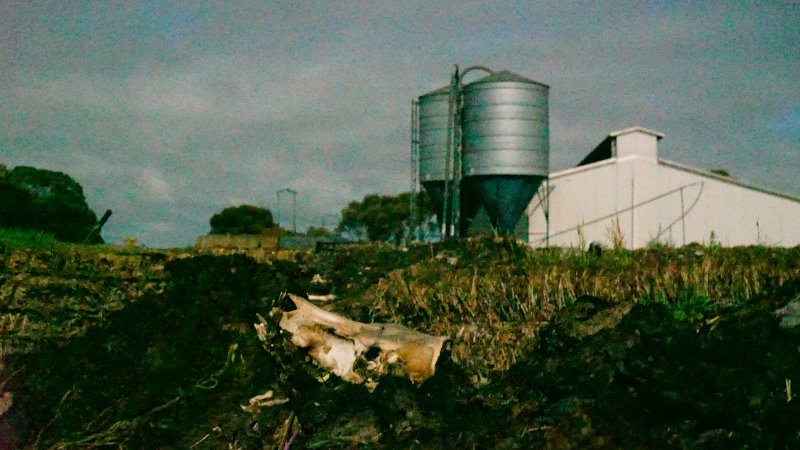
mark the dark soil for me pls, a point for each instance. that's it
(171, 369)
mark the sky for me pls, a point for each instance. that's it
(169, 111)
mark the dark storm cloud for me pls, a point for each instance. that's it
(169, 111)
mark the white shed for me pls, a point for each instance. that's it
(623, 190)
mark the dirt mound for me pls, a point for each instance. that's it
(674, 348)
(161, 371)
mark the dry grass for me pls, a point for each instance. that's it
(493, 312)
(48, 296)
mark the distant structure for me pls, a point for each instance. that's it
(236, 242)
(481, 149)
(622, 191)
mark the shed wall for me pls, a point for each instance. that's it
(659, 201)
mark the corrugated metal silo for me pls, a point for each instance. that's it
(434, 110)
(506, 144)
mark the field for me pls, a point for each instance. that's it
(693, 347)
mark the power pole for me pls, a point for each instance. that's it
(294, 205)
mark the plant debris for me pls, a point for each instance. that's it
(688, 348)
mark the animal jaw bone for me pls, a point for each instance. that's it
(338, 344)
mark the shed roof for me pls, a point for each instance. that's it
(601, 152)
(639, 129)
(603, 149)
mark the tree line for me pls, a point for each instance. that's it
(53, 202)
(385, 217)
(375, 218)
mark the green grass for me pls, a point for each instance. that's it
(12, 238)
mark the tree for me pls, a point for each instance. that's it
(243, 219)
(318, 232)
(382, 217)
(15, 205)
(45, 200)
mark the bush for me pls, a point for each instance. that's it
(243, 219)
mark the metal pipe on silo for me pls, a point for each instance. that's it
(457, 95)
(413, 207)
(452, 158)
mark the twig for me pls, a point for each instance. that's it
(90, 425)
(163, 406)
(788, 390)
(198, 442)
(53, 419)
(291, 439)
(285, 440)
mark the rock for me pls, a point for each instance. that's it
(790, 314)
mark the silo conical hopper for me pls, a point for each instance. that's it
(434, 110)
(506, 143)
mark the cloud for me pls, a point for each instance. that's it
(155, 186)
(168, 112)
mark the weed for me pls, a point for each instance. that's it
(581, 236)
(615, 234)
(713, 241)
(692, 306)
(650, 298)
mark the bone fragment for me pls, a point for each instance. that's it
(336, 343)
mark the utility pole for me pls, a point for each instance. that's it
(294, 205)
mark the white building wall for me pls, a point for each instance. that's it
(636, 141)
(659, 201)
(583, 202)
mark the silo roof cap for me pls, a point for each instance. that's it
(440, 91)
(507, 76)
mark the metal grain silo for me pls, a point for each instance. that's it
(434, 110)
(506, 144)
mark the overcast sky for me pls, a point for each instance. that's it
(166, 111)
